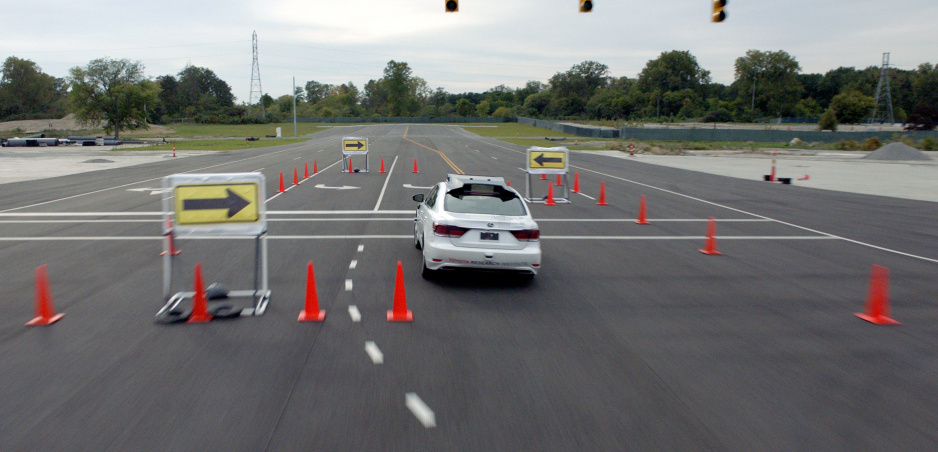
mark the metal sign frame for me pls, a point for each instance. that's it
(347, 155)
(258, 230)
(562, 195)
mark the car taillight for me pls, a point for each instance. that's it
(527, 235)
(445, 230)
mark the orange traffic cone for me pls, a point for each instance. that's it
(642, 213)
(549, 201)
(400, 313)
(559, 181)
(296, 177)
(576, 183)
(171, 243)
(199, 303)
(508, 183)
(315, 168)
(711, 245)
(45, 311)
(305, 170)
(415, 165)
(174, 148)
(543, 176)
(382, 165)
(877, 299)
(311, 312)
(282, 189)
(350, 169)
(602, 194)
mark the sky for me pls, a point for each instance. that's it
(486, 44)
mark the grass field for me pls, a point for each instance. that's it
(221, 130)
(511, 129)
(218, 145)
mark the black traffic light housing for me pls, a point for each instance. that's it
(718, 14)
(586, 6)
(452, 6)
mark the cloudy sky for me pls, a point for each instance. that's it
(485, 44)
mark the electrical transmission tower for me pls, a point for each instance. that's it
(256, 91)
(883, 96)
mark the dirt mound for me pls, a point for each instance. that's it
(897, 151)
(31, 126)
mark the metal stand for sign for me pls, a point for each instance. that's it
(561, 192)
(215, 206)
(347, 158)
(260, 293)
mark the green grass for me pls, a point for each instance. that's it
(511, 129)
(218, 145)
(221, 130)
(583, 143)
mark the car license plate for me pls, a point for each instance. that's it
(489, 236)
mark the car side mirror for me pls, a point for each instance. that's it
(418, 197)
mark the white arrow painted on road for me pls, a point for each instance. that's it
(344, 187)
(153, 191)
(413, 186)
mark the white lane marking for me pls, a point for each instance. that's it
(416, 187)
(494, 158)
(310, 177)
(344, 187)
(274, 197)
(82, 214)
(361, 248)
(348, 285)
(354, 314)
(197, 170)
(410, 237)
(298, 158)
(385, 187)
(325, 212)
(257, 170)
(659, 220)
(421, 411)
(588, 196)
(94, 221)
(374, 352)
(353, 264)
(153, 191)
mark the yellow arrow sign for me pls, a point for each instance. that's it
(547, 159)
(198, 204)
(354, 145)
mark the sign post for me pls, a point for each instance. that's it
(548, 161)
(211, 206)
(354, 146)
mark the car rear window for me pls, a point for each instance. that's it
(483, 199)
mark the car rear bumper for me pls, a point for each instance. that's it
(443, 256)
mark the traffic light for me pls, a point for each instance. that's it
(586, 6)
(452, 6)
(718, 14)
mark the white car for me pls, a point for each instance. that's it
(476, 222)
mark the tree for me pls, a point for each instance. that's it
(113, 91)
(769, 80)
(673, 71)
(26, 91)
(201, 88)
(401, 89)
(572, 89)
(828, 121)
(925, 85)
(316, 91)
(852, 107)
(464, 107)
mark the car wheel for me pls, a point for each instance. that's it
(424, 271)
(417, 238)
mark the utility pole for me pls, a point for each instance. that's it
(883, 96)
(258, 93)
(294, 106)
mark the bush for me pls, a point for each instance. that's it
(871, 144)
(828, 121)
(847, 145)
(929, 144)
(719, 115)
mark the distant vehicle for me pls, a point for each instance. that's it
(476, 222)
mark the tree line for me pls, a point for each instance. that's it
(671, 87)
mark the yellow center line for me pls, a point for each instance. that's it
(445, 158)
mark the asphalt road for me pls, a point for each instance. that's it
(628, 338)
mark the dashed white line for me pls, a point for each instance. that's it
(354, 314)
(348, 285)
(385, 187)
(361, 248)
(588, 196)
(374, 352)
(421, 411)
(352, 265)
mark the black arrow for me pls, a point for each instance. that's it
(358, 144)
(233, 203)
(541, 160)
